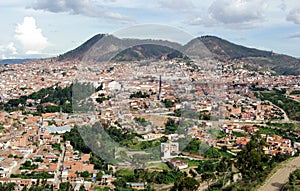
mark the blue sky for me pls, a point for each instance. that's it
(43, 28)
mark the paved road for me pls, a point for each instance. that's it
(58, 173)
(18, 165)
(281, 176)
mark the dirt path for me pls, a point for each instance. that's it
(281, 176)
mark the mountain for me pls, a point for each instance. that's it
(14, 61)
(147, 52)
(108, 47)
(227, 51)
(79, 52)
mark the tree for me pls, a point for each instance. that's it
(185, 184)
(99, 175)
(208, 177)
(85, 174)
(193, 173)
(65, 186)
(250, 161)
(81, 188)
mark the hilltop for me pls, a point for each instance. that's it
(113, 48)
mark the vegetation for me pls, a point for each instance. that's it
(79, 144)
(225, 50)
(294, 181)
(28, 166)
(33, 175)
(171, 126)
(156, 177)
(208, 177)
(253, 164)
(56, 146)
(139, 94)
(169, 103)
(7, 186)
(65, 186)
(193, 146)
(60, 98)
(207, 166)
(40, 185)
(141, 121)
(185, 184)
(101, 99)
(146, 52)
(76, 140)
(295, 92)
(291, 107)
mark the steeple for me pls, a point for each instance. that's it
(159, 88)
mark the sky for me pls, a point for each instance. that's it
(47, 28)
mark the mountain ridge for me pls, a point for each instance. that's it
(205, 46)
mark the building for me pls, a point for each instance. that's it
(59, 130)
(169, 150)
(178, 164)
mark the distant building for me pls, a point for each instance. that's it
(137, 186)
(169, 150)
(59, 130)
(178, 164)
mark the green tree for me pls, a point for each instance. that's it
(99, 175)
(250, 161)
(208, 177)
(65, 186)
(186, 184)
(193, 173)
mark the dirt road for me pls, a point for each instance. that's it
(281, 176)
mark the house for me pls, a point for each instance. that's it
(178, 164)
(152, 136)
(137, 186)
(107, 179)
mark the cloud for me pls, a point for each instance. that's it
(77, 7)
(282, 5)
(8, 50)
(11, 47)
(30, 36)
(294, 16)
(295, 35)
(237, 11)
(183, 5)
(236, 14)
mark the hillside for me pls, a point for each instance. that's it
(107, 47)
(146, 52)
(79, 52)
(224, 50)
(99, 48)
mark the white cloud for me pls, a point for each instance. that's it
(8, 50)
(11, 47)
(78, 7)
(3, 57)
(294, 16)
(30, 36)
(234, 14)
(183, 5)
(237, 11)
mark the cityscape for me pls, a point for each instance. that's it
(171, 95)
